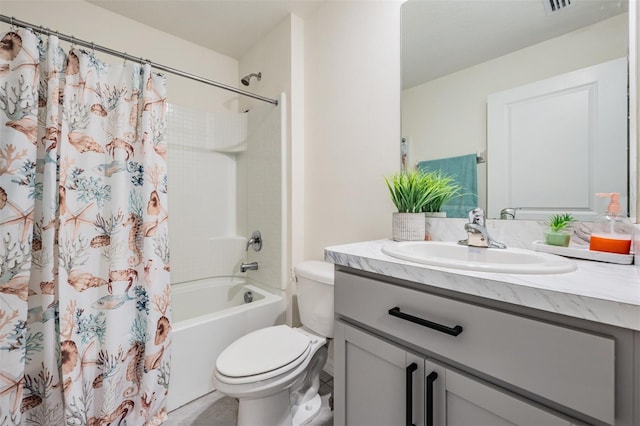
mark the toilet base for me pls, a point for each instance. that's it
(276, 411)
(304, 414)
(272, 410)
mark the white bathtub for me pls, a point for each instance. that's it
(207, 316)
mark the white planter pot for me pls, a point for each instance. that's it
(408, 226)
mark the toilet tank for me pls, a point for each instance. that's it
(314, 282)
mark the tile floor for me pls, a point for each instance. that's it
(215, 409)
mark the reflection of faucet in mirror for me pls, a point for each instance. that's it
(508, 213)
(477, 233)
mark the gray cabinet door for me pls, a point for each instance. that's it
(459, 400)
(370, 380)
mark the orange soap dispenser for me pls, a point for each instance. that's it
(611, 231)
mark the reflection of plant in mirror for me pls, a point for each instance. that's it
(560, 222)
(440, 188)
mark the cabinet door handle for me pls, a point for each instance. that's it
(453, 331)
(411, 368)
(429, 397)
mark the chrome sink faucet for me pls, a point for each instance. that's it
(477, 234)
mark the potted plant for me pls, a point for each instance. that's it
(440, 188)
(560, 230)
(409, 194)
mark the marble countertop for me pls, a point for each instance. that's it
(601, 292)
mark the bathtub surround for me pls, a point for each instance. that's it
(237, 155)
(262, 191)
(85, 258)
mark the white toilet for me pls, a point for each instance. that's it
(275, 371)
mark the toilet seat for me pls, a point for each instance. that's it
(263, 354)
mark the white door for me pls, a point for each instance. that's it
(554, 143)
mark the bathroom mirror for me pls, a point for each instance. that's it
(456, 53)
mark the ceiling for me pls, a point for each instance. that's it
(443, 36)
(439, 36)
(229, 27)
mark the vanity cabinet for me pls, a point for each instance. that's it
(492, 366)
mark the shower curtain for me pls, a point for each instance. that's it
(84, 254)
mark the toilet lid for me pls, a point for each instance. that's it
(261, 351)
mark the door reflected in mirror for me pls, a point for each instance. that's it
(456, 53)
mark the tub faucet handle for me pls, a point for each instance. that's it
(255, 241)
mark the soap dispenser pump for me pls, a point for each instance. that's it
(611, 231)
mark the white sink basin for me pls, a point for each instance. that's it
(453, 255)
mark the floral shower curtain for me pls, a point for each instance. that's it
(84, 254)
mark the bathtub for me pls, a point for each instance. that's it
(207, 316)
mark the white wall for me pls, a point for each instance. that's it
(352, 121)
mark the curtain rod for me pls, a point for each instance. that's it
(90, 45)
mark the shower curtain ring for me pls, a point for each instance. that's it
(124, 58)
(93, 48)
(12, 27)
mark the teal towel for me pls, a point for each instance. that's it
(464, 169)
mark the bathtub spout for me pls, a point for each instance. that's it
(244, 267)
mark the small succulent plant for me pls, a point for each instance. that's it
(560, 222)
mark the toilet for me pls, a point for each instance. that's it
(275, 371)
